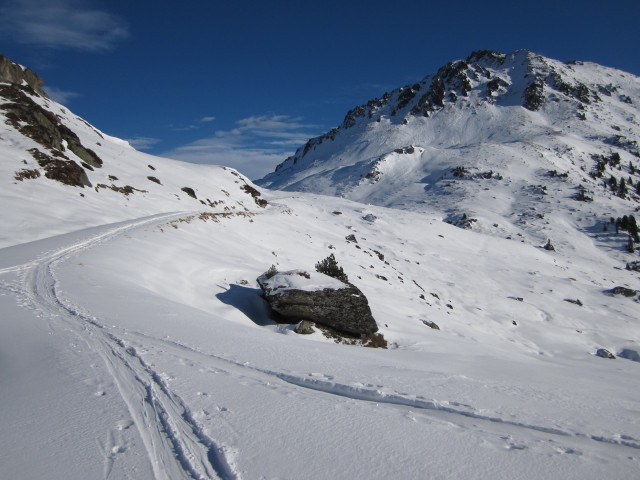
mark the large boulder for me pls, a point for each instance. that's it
(298, 295)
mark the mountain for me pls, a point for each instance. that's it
(72, 175)
(134, 342)
(501, 143)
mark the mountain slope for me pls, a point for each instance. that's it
(71, 175)
(511, 141)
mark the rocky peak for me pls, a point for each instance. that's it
(14, 73)
(484, 79)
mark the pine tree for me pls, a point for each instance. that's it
(633, 228)
(329, 266)
(630, 246)
(622, 188)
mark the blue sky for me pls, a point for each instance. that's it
(243, 83)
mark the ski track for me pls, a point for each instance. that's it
(445, 409)
(177, 446)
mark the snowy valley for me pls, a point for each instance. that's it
(135, 343)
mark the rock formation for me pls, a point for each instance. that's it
(11, 72)
(297, 295)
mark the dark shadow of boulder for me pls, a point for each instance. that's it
(249, 301)
(630, 354)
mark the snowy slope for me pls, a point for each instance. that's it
(142, 349)
(127, 183)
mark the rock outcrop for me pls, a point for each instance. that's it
(11, 72)
(43, 126)
(297, 295)
(604, 353)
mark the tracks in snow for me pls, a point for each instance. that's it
(177, 446)
(449, 411)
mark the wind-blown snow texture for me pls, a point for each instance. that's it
(134, 343)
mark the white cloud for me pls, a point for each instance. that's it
(72, 24)
(254, 147)
(60, 96)
(143, 143)
(207, 119)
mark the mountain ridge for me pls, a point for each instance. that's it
(501, 139)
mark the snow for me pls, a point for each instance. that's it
(152, 327)
(299, 280)
(134, 342)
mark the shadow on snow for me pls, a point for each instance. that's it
(249, 301)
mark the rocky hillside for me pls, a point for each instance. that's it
(80, 176)
(517, 146)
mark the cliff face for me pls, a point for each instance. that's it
(13, 73)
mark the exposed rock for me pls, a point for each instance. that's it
(26, 174)
(305, 327)
(575, 302)
(351, 238)
(431, 324)
(261, 202)
(126, 190)
(627, 292)
(43, 126)
(604, 353)
(319, 298)
(63, 171)
(189, 191)
(11, 72)
(461, 221)
(534, 95)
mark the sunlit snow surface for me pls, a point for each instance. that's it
(134, 343)
(139, 350)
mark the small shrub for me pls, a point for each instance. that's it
(459, 171)
(273, 270)
(329, 266)
(27, 174)
(374, 340)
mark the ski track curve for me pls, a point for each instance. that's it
(447, 409)
(177, 446)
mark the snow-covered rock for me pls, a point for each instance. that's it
(298, 295)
